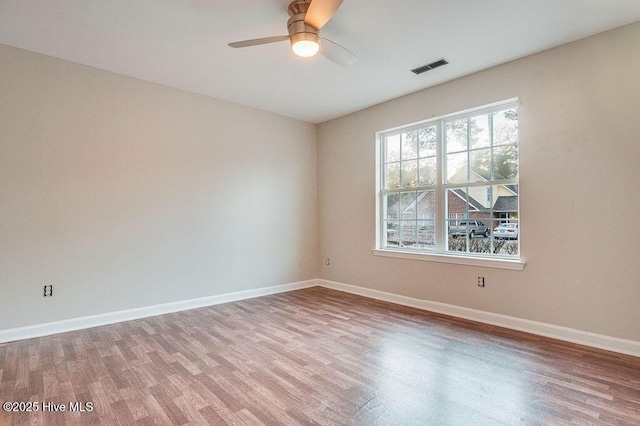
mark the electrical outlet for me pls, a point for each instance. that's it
(47, 291)
(480, 281)
(327, 261)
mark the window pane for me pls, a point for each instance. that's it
(506, 236)
(408, 233)
(480, 234)
(506, 229)
(470, 235)
(392, 176)
(457, 135)
(392, 230)
(480, 245)
(392, 149)
(505, 162)
(456, 241)
(427, 171)
(480, 165)
(480, 199)
(427, 141)
(457, 212)
(457, 203)
(393, 206)
(479, 131)
(410, 173)
(426, 234)
(505, 127)
(409, 145)
(506, 201)
(426, 201)
(508, 248)
(408, 205)
(493, 228)
(457, 168)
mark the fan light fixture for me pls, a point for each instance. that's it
(305, 48)
(305, 43)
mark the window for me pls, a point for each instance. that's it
(447, 184)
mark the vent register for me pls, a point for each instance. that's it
(429, 67)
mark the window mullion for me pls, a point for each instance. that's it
(439, 214)
(492, 171)
(468, 152)
(482, 183)
(400, 162)
(381, 145)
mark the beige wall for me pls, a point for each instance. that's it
(126, 194)
(580, 136)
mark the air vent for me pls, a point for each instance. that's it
(430, 66)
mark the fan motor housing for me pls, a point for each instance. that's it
(298, 30)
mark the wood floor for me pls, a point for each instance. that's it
(316, 356)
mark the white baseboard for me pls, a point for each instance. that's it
(624, 346)
(629, 347)
(63, 326)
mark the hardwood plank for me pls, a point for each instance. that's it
(168, 406)
(122, 413)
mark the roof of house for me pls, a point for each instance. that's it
(506, 203)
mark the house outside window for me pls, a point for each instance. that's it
(447, 185)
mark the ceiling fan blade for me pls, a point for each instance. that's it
(336, 53)
(259, 41)
(320, 11)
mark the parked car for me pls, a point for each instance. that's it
(506, 231)
(472, 228)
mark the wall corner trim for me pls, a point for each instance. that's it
(80, 323)
(600, 341)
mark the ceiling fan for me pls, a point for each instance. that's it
(307, 17)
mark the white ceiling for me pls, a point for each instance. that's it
(183, 44)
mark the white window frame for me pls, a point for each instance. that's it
(439, 253)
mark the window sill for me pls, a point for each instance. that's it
(513, 264)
